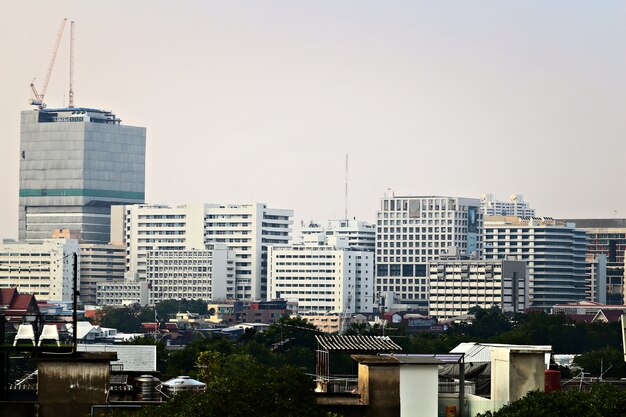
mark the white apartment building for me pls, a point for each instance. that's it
(360, 234)
(122, 292)
(458, 285)
(142, 228)
(44, 268)
(412, 231)
(516, 206)
(189, 274)
(248, 230)
(554, 251)
(323, 276)
(99, 262)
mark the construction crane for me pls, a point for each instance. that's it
(38, 100)
(71, 94)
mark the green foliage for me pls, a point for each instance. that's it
(124, 319)
(607, 361)
(564, 335)
(168, 308)
(486, 323)
(238, 386)
(182, 362)
(602, 400)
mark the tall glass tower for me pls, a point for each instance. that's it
(75, 163)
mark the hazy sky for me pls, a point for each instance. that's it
(260, 100)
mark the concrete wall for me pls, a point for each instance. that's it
(515, 372)
(69, 386)
(419, 390)
(379, 387)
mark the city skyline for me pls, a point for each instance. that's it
(260, 103)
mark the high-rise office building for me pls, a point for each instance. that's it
(608, 237)
(75, 163)
(554, 251)
(411, 231)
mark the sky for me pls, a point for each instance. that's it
(261, 101)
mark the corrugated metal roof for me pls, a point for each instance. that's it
(481, 352)
(358, 343)
(394, 360)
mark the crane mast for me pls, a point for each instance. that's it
(71, 93)
(38, 100)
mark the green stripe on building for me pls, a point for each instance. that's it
(81, 192)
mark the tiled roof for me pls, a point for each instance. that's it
(14, 303)
(358, 344)
(22, 301)
(6, 295)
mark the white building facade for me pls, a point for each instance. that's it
(359, 234)
(99, 262)
(458, 285)
(43, 268)
(142, 228)
(555, 253)
(247, 230)
(516, 206)
(411, 231)
(189, 274)
(322, 276)
(122, 292)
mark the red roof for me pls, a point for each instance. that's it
(22, 301)
(91, 313)
(6, 295)
(16, 304)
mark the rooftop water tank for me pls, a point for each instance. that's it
(183, 383)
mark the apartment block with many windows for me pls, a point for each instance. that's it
(44, 268)
(359, 234)
(322, 275)
(189, 274)
(554, 251)
(458, 285)
(248, 230)
(412, 231)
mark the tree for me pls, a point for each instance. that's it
(124, 319)
(168, 308)
(238, 386)
(485, 324)
(602, 400)
(607, 362)
(182, 362)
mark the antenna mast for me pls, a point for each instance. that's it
(71, 94)
(346, 192)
